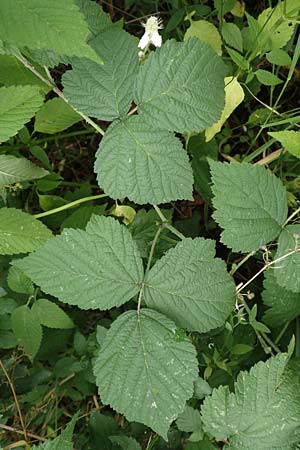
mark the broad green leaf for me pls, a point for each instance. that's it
(12, 73)
(191, 286)
(96, 268)
(18, 282)
(234, 95)
(20, 232)
(14, 169)
(267, 78)
(27, 330)
(51, 315)
(181, 86)
(7, 340)
(104, 91)
(17, 105)
(146, 165)
(201, 388)
(7, 305)
(96, 19)
(277, 25)
(54, 116)
(146, 369)
(250, 203)
(125, 442)
(232, 35)
(287, 268)
(189, 420)
(205, 32)
(279, 57)
(224, 6)
(58, 26)
(262, 414)
(289, 139)
(283, 305)
(63, 441)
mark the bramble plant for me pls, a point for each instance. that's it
(155, 305)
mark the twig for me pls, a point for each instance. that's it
(31, 435)
(15, 398)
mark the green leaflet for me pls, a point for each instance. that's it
(27, 330)
(125, 443)
(17, 281)
(97, 268)
(104, 91)
(146, 165)
(54, 25)
(63, 441)
(54, 116)
(181, 86)
(96, 19)
(289, 139)
(287, 269)
(250, 203)
(17, 105)
(284, 304)
(191, 286)
(144, 370)
(263, 413)
(189, 420)
(51, 315)
(14, 169)
(20, 232)
(12, 73)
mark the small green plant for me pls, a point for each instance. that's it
(162, 332)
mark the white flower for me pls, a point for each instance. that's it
(151, 35)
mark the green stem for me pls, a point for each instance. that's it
(69, 205)
(284, 328)
(153, 245)
(166, 223)
(291, 216)
(55, 89)
(235, 268)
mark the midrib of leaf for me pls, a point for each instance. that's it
(145, 354)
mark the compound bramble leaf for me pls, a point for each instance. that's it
(181, 86)
(146, 165)
(191, 286)
(250, 203)
(146, 369)
(96, 268)
(262, 414)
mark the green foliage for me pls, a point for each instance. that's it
(192, 287)
(287, 273)
(171, 83)
(54, 116)
(144, 370)
(250, 203)
(51, 315)
(289, 139)
(96, 268)
(144, 164)
(27, 329)
(104, 91)
(154, 320)
(14, 169)
(20, 232)
(17, 105)
(284, 305)
(57, 26)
